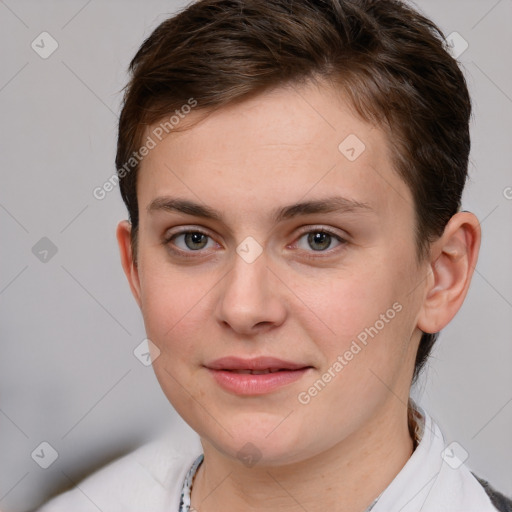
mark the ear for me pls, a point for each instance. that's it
(123, 234)
(453, 258)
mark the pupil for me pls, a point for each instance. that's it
(323, 239)
(195, 239)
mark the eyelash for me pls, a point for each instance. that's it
(311, 229)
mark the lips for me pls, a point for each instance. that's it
(258, 376)
(257, 372)
(255, 366)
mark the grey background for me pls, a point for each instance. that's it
(68, 375)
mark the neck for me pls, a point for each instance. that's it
(347, 478)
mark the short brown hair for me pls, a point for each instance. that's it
(390, 60)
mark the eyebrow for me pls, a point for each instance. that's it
(334, 204)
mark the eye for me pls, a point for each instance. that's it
(190, 241)
(319, 239)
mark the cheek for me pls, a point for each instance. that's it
(361, 318)
(173, 307)
(343, 304)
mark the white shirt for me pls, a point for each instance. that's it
(150, 479)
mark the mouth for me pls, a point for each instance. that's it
(256, 366)
(256, 376)
(263, 372)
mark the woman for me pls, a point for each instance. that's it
(293, 173)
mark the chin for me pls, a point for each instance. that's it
(256, 452)
(267, 444)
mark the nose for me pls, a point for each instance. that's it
(250, 301)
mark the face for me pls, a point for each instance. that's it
(229, 265)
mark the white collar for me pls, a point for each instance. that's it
(430, 483)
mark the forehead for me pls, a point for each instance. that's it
(274, 149)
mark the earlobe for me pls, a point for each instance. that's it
(123, 235)
(454, 257)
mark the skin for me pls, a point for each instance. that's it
(300, 301)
